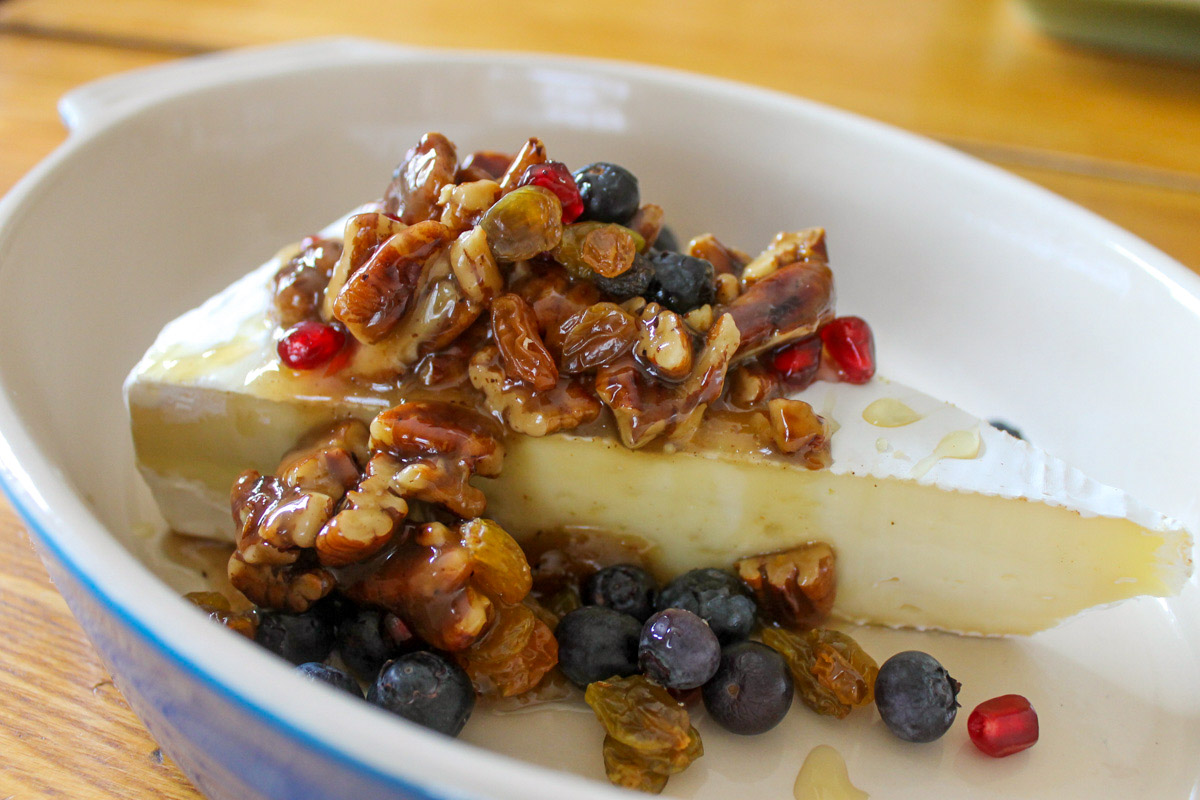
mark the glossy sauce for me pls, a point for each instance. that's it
(956, 444)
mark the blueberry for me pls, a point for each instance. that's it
(427, 689)
(623, 587)
(365, 643)
(609, 192)
(916, 696)
(666, 240)
(678, 650)
(718, 598)
(1001, 425)
(633, 282)
(596, 643)
(680, 282)
(323, 673)
(298, 637)
(752, 690)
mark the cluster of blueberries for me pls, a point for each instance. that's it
(662, 275)
(693, 634)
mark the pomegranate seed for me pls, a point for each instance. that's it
(850, 347)
(797, 363)
(309, 344)
(555, 176)
(1003, 725)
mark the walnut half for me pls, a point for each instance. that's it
(794, 588)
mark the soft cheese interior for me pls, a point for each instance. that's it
(938, 519)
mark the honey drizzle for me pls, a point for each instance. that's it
(823, 776)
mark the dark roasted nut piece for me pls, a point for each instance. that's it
(421, 430)
(532, 152)
(426, 581)
(287, 587)
(646, 409)
(369, 517)
(794, 588)
(787, 248)
(299, 285)
(588, 249)
(463, 204)
(327, 460)
(365, 233)
(798, 430)
(523, 354)
(554, 299)
(791, 303)
(751, 384)
(647, 223)
(725, 260)
(598, 335)
(417, 182)
(483, 165)
(728, 288)
(533, 413)
(376, 296)
(664, 343)
(474, 267)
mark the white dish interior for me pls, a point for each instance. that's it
(981, 289)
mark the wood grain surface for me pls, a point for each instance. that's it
(1119, 135)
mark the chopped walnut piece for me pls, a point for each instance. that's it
(475, 267)
(288, 587)
(417, 183)
(483, 165)
(554, 298)
(532, 152)
(365, 233)
(725, 260)
(700, 319)
(442, 482)
(463, 204)
(664, 343)
(647, 223)
(728, 288)
(328, 459)
(645, 409)
(269, 512)
(796, 429)
(787, 248)
(299, 285)
(751, 384)
(377, 295)
(369, 517)
(426, 582)
(566, 406)
(424, 429)
(794, 588)
(792, 303)
(522, 351)
(596, 336)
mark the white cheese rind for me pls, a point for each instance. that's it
(1011, 540)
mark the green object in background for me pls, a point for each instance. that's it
(1156, 27)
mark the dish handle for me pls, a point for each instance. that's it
(108, 99)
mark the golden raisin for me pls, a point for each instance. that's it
(650, 735)
(833, 673)
(513, 656)
(500, 568)
(588, 249)
(522, 351)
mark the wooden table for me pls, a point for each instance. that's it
(1117, 134)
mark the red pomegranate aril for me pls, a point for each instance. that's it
(309, 344)
(850, 347)
(555, 176)
(797, 363)
(1003, 725)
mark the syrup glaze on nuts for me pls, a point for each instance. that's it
(470, 291)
